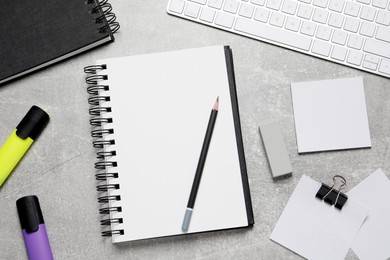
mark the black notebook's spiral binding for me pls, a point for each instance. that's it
(103, 16)
(103, 141)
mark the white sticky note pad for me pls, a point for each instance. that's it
(330, 115)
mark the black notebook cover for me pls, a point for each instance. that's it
(37, 33)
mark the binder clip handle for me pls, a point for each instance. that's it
(334, 196)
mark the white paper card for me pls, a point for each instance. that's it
(373, 240)
(330, 115)
(315, 229)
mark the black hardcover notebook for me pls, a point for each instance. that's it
(149, 117)
(38, 33)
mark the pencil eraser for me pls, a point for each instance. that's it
(186, 220)
(276, 150)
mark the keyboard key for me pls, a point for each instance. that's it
(367, 2)
(320, 3)
(308, 28)
(216, 3)
(207, 15)
(321, 48)
(273, 33)
(258, 2)
(277, 19)
(225, 20)
(324, 32)
(380, 3)
(339, 37)
(377, 47)
(367, 29)
(355, 57)
(383, 17)
(339, 53)
(385, 66)
(320, 15)
(192, 10)
(369, 65)
(352, 9)
(371, 58)
(292, 23)
(383, 33)
(274, 4)
(367, 13)
(305, 1)
(336, 20)
(261, 15)
(351, 24)
(202, 2)
(177, 6)
(355, 41)
(246, 10)
(305, 11)
(289, 7)
(336, 5)
(370, 62)
(231, 6)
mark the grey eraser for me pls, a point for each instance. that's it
(276, 150)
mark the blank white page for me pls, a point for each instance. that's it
(330, 115)
(373, 240)
(161, 105)
(315, 229)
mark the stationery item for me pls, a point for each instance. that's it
(148, 147)
(315, 230)
(276, 150)
(33, 228)
(372, 241)
(47, 31)
(200, 166)
(330, 115)
(333, 196)
(21, 139)
(304, 28)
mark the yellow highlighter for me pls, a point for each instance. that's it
(20, 140)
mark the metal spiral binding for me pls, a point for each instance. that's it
(106, 199)
(100, 132)
(108, 222)
(103, 16)
(100, 119)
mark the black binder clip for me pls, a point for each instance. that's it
(331, 195)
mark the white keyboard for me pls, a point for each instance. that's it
(349, 32)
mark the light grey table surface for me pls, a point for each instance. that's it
(59, 167)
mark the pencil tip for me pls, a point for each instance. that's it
(216, 104)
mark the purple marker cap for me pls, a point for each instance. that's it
(33, 228)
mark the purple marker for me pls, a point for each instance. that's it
(33, 228)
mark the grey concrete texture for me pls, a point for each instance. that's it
(59, 166)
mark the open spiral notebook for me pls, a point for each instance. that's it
(149, 117)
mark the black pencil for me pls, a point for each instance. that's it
(199, 168)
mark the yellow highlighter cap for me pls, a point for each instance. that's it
(20, 140)
(32, 123)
